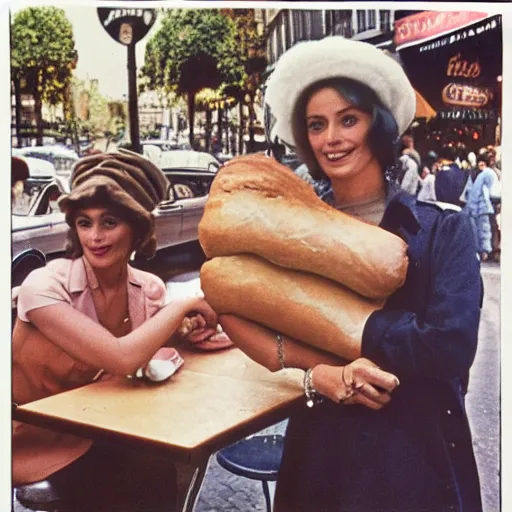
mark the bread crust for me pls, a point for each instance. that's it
(306, 307)
(259, 206)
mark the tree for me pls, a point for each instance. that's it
(97, 116)
(252, 56)
(193, 49)
(43, 57)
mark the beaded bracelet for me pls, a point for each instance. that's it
(312, 396)
(280, 350)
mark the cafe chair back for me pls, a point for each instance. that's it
(257, 458)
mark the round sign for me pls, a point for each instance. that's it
(127, 26)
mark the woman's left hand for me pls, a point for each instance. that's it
(359, 382)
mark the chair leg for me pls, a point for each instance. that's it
(266, 492)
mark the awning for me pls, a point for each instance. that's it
(459, 73)
(426, 25)
(423, 108)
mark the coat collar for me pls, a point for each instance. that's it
(82, 279)
(82, 276)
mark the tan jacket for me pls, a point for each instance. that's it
(41, 369)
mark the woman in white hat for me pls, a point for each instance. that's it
(343, 105)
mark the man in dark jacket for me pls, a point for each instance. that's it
(450, 179)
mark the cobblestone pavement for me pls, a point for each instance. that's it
(226, 492)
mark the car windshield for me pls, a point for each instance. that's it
(27, 194)
(62, 158)
(186, 160)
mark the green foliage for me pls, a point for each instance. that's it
(193, 49)
(97, 115)
(43, 53)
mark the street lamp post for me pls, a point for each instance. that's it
(128, 27)
(133, 107)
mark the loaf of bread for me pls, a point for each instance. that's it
(301, 305)
(259, 206)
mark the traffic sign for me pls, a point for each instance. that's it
(127, 26)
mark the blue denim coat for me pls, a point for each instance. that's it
(414, 455)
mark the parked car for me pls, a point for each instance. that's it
(39, 225)
(61, 157)
(166, 145)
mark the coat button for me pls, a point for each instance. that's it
(452, 445)
(449, 412)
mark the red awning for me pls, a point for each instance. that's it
(426, 25)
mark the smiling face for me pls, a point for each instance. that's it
(338, 136)
(106, 239)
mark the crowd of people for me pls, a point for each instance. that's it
(472, 183)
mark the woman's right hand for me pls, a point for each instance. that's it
(200, 306)
(359, 382)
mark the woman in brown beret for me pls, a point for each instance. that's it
(91, 314)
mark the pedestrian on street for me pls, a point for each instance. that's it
(343, 105)
(409, 149)
(450, 178)
(89, 315)
(427, 185)
(409, 176)
(480, 207)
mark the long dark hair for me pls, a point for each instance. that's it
(383, 137)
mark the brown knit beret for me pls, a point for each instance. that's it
(124, 178)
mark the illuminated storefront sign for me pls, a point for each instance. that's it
(459, 71)
(461, 95)
(460, 67)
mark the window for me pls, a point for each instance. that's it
(372, 19)
(298, 25)
(361, 21)
(385, 21)
(343, 21)
(317, 25)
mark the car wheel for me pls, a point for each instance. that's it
(24, 263)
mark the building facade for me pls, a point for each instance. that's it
(283, 28)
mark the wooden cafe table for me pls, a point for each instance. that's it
(214, 400)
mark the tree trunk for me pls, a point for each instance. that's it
(208, 134)
(252, 118)
(220, 114)
(191, 97)
(17, 99)
(38, 105)
(242, 127)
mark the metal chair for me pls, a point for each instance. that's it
(40, 496)
(257, 458)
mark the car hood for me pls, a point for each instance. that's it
(22, 222)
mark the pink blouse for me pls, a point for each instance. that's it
(41, 369)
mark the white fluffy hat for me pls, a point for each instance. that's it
(334, 56)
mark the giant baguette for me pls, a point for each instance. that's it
(258, 206)
(304, 306)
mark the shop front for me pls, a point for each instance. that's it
(454, 60)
